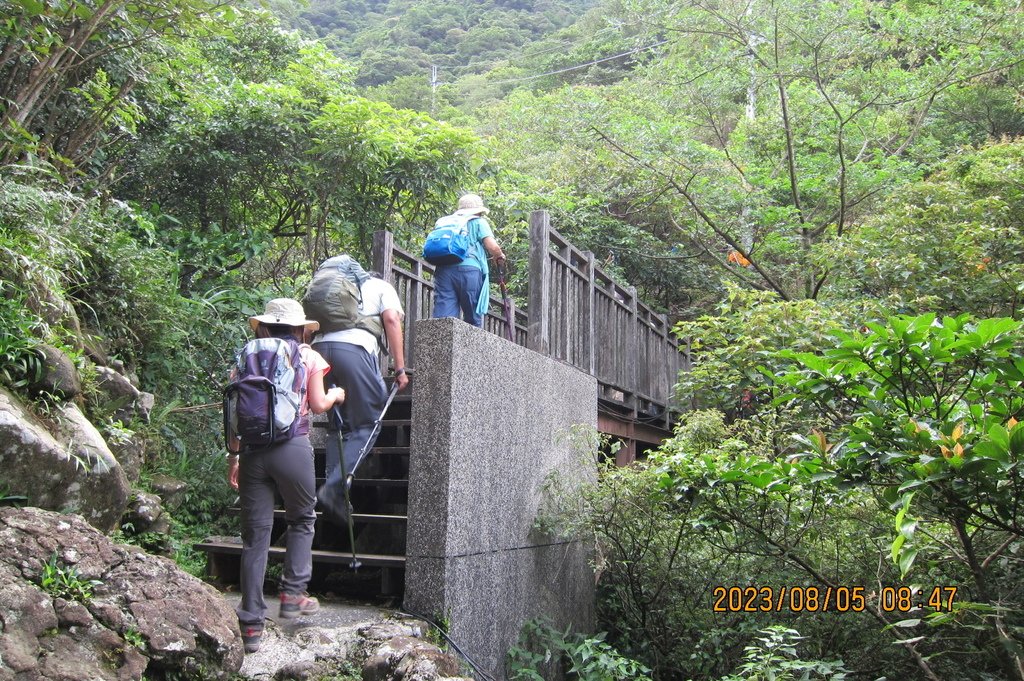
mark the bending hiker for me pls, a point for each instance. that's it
(272, 454)
(357, 312)
(459, 246)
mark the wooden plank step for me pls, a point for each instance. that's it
(382, 450)
(389, 450)
(395, 423)
(357, 517)
(380, 482)
(402, 449)
(319, 555)
(372, 481)
(369, 518)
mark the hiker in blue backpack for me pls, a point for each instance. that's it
(357, 311)
(284, 466)
(462, 282)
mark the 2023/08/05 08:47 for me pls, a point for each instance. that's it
(830, 598)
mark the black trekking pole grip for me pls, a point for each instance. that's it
(334, 407)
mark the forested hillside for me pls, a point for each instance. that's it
(402, 38)
(826, 198)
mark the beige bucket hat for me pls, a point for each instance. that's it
(472, 204)
(284, 311)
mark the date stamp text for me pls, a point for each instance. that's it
(898, 599)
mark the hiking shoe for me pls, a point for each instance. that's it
(336, 510)
(294, 605)
(251, 637)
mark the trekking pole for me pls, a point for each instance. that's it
(509, 321)
(355, 564)
(348, 501)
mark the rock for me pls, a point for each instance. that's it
(118, 394)
(95, 349)
(130, 452)
(144, 405)
(162, 525)
(341, 639)
(143, 511)
(384, 631)
(409, 659)
(301, 670)
(171, 490)
(59, 374)
(145, 615)
(426, 665)
(53, 308)
(73, 470)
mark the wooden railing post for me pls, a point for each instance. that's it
(633, 349)
(673, 362)
(383, 254)
(590, 361)
(539, 333)
(383, 258)
(512, 318)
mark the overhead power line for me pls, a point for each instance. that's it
(580, 66)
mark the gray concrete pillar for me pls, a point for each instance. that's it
(490, 421)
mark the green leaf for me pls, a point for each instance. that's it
(1017, 440)
(907, 561)
(907, 624)
(32, 7)
(909, 485)
(897, 545)
(999, 436)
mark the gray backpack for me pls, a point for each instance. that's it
(333, 300)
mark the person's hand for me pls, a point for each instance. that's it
(402, 379)
(336, 395)
(233, 471)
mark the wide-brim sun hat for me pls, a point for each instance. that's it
(472, 204)
(284, 311)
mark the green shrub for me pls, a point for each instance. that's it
(64, 581)
(542, 648)
(773, 657)
(20, 362)
(925, 413)
(715, 508)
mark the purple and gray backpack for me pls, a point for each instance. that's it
(264, 396)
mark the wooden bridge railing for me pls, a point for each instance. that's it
(414, 280)
(576, 313)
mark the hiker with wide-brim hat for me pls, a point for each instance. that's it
(283, 468)
(463, 289)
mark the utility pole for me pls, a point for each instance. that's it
(753, 40)
(433, 87)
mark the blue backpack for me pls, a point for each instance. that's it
(264, 396)
(449, 242)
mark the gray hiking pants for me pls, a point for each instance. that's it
(287, 469)
(357, 371)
